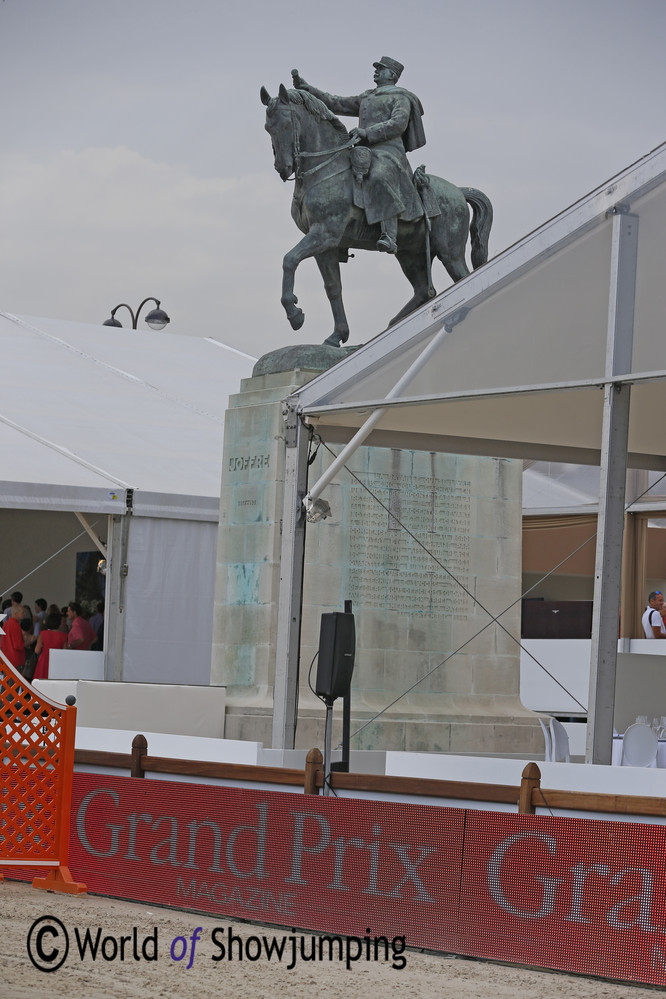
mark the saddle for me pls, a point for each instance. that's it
(361, 161)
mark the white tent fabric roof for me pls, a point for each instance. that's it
(87, 412)
(520, 367)
(550, 487)
(555, 488)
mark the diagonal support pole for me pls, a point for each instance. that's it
(366, 428)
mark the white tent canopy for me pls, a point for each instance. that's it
(551, 352)
(99, 420)
(552, 487)
(560, 488)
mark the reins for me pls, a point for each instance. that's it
(324, 152)
(299, 155)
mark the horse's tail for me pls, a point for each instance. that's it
(482, 220)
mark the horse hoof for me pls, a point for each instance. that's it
(297, 319)
(333, 340)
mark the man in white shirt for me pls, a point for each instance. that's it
(652, 621)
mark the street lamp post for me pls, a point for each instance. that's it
(157, 318)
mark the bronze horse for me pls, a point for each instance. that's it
(313, 145)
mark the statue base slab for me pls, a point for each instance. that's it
(302, 356)
(516, 733)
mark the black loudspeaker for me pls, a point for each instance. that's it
(337, 648)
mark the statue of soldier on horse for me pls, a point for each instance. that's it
(356, 190)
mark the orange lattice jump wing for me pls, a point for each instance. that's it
(36, 767)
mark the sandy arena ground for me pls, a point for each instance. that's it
(423, 976)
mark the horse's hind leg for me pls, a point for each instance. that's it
(329, 266)
(448, 239)
(414, 268)
(457, 269)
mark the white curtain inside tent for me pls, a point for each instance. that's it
(169, 595)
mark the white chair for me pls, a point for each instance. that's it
(560, 741)
(639, 746)
(548, 754)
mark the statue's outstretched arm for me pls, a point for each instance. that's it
(338, 105)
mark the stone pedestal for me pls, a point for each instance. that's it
(413, 616)
(248, 558)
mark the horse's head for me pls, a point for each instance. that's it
(282, 126)
(297, 122)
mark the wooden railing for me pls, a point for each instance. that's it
(138, 762)
(526, 797)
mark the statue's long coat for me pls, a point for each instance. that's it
(392, 119)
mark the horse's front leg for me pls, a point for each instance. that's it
(329, 267)
(318, 240)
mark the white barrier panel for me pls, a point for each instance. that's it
(56, 690)
(175, 709)
(641, 687)
(568, 661)
(177, 747)
(73, 664)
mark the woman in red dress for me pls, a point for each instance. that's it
(49, 638)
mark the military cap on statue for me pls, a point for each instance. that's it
(392, 64)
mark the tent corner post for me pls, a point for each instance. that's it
(290, 593)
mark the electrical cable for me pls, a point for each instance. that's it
(312, 454)
(318, 696)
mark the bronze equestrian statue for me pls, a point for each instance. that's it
(356, 190)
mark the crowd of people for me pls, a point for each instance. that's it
(31, 633)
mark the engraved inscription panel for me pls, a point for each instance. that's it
(247, 503)
(417, 571)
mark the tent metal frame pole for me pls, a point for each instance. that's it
(613, 471)
(115, 626)
(114, 608)
(107, 616)
(290, 593)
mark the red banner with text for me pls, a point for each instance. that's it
(577, 895)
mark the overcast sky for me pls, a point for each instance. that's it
(134, 160)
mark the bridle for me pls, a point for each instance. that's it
(300, 175)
